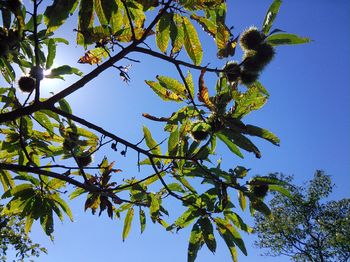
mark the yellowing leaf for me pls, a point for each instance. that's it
(127, 223)
(191, 41)
(162, 92)
(203, 95)
(163, 32)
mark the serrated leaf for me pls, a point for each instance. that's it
(163, 32)
(186, 218)
(190, 84)
(203, 94)
(227, 237)
(64, 206)
(257, 204)
(85, 19)
(63, 70)
(242, 200)
(173, 85)
(44, 121)
(154, 207)
(270, 16)
(286, 39)
(263, 133)
(51, 53)
(173, 142)
(104, 10)
(284, 191)
(238, 221)
(208, 233)
(175, 187)
(127, 223)
(77, 192)
(195, 243)
(6, 180)
(191, 42)
(231, 234)
(28, 224)
(234, 149)
(64, 106)
(142, 217)
(206, 24)
(176, 34)
(150, 142)
(56, 14)
(162, 92)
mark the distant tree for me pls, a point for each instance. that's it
(46, 149)
(305, 227)
(14, 238)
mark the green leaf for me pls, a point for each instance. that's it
(242, 200)
(263, 133)
(260, 206)
(238, 221)
(195, 243)
(76, 193)
(286, 39)
(191, 41)
(245, 103)
(173, 85)
(150, 142)
(228, 238)
(64, 206)
(173, 142)
(64, 106)
(284, 191)
(186, 218)
(206, 24)
(231, 234)
(142, 216)
(190, 84)
(85, 20)
(105, 10)
(163, 32)
(176, 34)
(44, 121)
(58, 12)
(208, 233)
(63, 70)
(28, 224)
(175, 187)
(51, 53)
(6, 180)
(162, 92)
(234, 149)
(270, 16)
(154, 207)
(127, 223)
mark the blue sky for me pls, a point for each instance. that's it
(309, 110)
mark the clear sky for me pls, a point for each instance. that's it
(309, 110)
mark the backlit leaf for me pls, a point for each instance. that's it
(58, 12)
(191, 41)
(286, 39)
(270, 16)
(234, 149)
(150, 142)
(195, 243)
(142, 216)
(162, 92)
(163, 32)
(127, 223)
(208, 233)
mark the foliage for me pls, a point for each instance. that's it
(305, 227)
(12, 236)
(41, 137)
